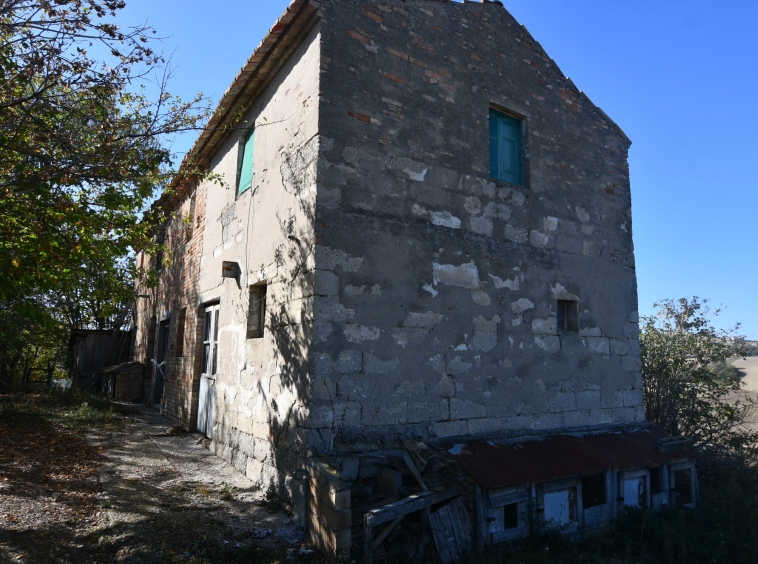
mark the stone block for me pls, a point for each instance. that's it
(326, 283)
(498, 410)
(562, 402)
(480, 427)
(547, 421)
(321, 417)
(516, 234)
(239, 461)
(323, 389)
(545, 326)
(327, 309)
(247, 444)
(423, 411)
(263, 450)
(588, 400)
(631, 363)
(537, 239)
(466, 409)
(388, 414)
(423, 320)
(375, 365)
(254, 470)
(361, 333)
(578, 418)
(599, 345)
(518, 423)
(549, 344)
(347, 414)
(624, 415)
(619, 347)
(601, 417)
(451, 429)
(633, 398)
(611, 400)
(348, 362)
(481, 225)
(457, 366)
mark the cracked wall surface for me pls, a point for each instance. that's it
(460, 338)
(262, 383)
(411, 295)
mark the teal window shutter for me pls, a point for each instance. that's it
(505, 147)
(246, 168)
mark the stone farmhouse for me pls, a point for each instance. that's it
(422, 234)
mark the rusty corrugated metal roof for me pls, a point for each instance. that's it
(554, 458)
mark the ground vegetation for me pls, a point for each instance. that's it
(690, 387)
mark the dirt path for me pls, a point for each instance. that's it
(145, 494)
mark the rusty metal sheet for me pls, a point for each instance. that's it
(500, 466)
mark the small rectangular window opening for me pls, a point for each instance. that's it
(594, 491)
(164, 336)
(506, 147)
(683, 486)
(245, 167)
(256, 319)
(567, 315)
(511, 516)
(180, 322)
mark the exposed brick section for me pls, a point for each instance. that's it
(175, 299)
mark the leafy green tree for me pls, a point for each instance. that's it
(689, 388)
(83, 143)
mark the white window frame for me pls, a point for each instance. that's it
(630, 475)
(561, 485)
(212, 359)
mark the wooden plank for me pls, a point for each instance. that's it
(451, 527)
(424, 540)
(412, 467)
(482, 526)
(509, 498)
(368, 542)
(408, 505)
(387, 530)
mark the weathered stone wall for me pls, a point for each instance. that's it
(437, 286)
(261, 389)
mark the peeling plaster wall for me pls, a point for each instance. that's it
(262, 383)
(437, 286)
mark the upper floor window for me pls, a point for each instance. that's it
(245, 175)
(506, 151)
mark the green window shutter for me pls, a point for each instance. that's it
(246, 168)
(505, 147)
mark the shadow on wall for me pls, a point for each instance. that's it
(281, 396)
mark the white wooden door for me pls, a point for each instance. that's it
(208, 370)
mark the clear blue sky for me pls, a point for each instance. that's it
(679, 76)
